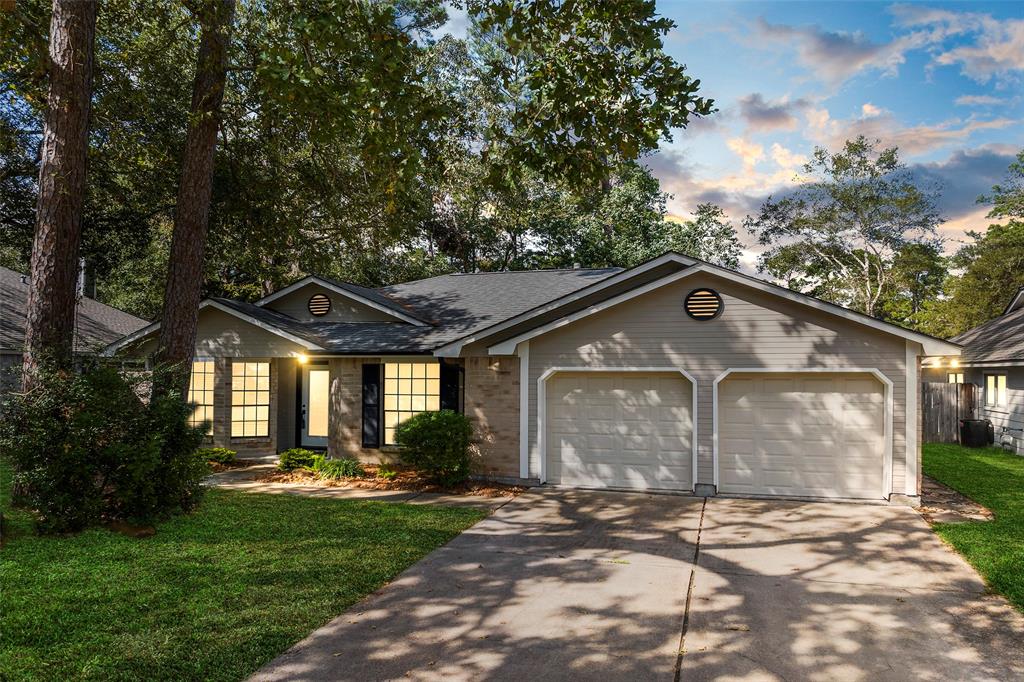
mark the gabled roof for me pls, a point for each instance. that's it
(931, 344)
(1016, 303)
(365, 295)
(96, 324)
(998, 340)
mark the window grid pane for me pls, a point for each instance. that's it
(250, 399)
(409, 388)
(200, 393)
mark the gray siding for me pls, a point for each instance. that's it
(219, 334)
(755, 330)
(343, 308)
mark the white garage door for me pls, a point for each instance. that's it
(817, 435)
(620, 430)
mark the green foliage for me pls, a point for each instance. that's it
(386, 472)
(295, 458)
(334, 469)
(995, 479)
(212, 596)
(218, 455)
(437, 443)
(85, 449)
(837, 235)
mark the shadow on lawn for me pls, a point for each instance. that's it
(563, 585)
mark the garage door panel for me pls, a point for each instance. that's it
(631, 430)
(817, 435)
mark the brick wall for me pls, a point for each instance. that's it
(245, 447)
(492, 403)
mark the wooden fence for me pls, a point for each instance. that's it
(943, 406)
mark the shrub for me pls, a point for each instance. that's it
(437, 443)
(295, 458)
(218, 455)
(85, 448)
(334, 469)
(386, 472)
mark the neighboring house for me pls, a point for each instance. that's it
(674, 375)
(993, 359)
(96, 325)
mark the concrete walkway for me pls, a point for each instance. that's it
(242, 479)
(612, 586)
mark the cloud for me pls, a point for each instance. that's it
(762, 115)
(836, 56)
(961, 178)
(978, 101)
(787, 159)
(749, 152)
(911, 140)
(869, 110)
(998, 48)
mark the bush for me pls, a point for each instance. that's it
(218, 455)
(85, 448)
(295, 458)
(437, 443)
(334, 469)
(386, 472)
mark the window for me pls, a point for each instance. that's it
(995, 390)
(250, 399)
(200, 392)
(955, 377)
(409, 388)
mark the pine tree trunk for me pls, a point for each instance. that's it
(188, 242)
(50, 326)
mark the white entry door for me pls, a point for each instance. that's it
(316, 394)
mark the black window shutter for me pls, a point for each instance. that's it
(450, 387)
(371, 405)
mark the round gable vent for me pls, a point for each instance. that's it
(319, 305)
(703, 304)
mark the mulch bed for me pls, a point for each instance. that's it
(942, 504)
(217, 467)
(406, 479)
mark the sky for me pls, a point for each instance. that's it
(944, 82)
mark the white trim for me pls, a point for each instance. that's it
(1015, 302)
(542, 408)
(910, 444)
(209, 303)
(313, 279)
(524, 409)
(886, 382)
(454, 348)
(931, 345)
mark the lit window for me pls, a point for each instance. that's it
(409, 388)
(995, 390)
(250, 399)
(955, 377)
(200, 393)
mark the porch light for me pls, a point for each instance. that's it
(303, 359)
(954, 363)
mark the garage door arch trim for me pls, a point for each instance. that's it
(542, 407)
(874, 371)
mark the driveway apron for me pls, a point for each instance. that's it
(566, 585)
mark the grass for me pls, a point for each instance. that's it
(995, 479)
(212, 596)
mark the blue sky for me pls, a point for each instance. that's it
(942, 81)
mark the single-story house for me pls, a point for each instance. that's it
(675, 375)
(992, 359)
(96, 326)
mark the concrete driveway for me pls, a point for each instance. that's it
(614, 586)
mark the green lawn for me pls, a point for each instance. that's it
(212, 596)
(995, 479)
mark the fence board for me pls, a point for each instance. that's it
(943, 406)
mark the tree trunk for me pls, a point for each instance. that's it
(50, 326)
(191, 218)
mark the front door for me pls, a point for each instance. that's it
(316, 389)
